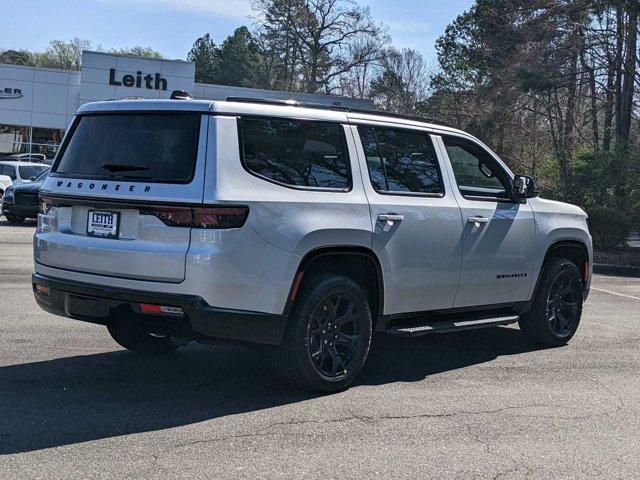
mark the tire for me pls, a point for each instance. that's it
(557, 305)
(318, 354)
(135, 338)
(15, 220)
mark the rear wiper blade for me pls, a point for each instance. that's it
(130, 177)
(115, 167)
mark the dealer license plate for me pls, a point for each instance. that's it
(102, 224)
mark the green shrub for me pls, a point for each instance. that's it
(609, 227)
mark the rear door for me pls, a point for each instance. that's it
(416, 220)
(120, 195)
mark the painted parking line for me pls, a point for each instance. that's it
(615, 293)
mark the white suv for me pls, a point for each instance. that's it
(301, 228)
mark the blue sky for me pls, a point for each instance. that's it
(171, 26)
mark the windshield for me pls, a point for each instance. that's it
(42, 176)
(28, 171)
(159, 147)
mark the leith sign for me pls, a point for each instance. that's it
(152, 82)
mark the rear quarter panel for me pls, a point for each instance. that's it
(291, 220)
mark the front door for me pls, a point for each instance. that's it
(498, 234)
(415, 217)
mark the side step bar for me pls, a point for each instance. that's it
(447, 326)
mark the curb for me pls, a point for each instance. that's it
(616, 270)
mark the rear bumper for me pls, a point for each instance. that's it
(98, 304)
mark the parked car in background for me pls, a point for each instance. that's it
(21, 201)
(20, 172)
(28, 157)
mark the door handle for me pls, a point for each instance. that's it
(390, 217)
(478, 219)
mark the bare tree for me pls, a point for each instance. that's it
(321, 40)
(402, 83)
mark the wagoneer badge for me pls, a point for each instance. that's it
(103, 186)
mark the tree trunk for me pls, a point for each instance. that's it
(629, 73)
(618, 66)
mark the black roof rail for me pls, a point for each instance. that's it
(296, 103)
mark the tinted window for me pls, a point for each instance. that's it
(401, 160)
(8, 170)
(305, 154)
(476, 172)
(153, 147)
(28, 171)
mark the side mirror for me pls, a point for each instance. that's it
(31, 179)
(525, 187)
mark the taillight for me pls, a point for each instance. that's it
(219, 217)
(199, 217)
(170, 216)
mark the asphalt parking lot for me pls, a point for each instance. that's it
(479, 404)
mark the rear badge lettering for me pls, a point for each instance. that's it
(104, 187)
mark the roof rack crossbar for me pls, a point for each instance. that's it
(321, 106)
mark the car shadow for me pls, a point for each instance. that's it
(82, 398)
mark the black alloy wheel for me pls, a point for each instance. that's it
(563, 304)
(333, 336)
(556, 309)
(328, 334)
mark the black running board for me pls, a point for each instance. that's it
(447, 326)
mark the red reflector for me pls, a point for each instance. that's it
(160, 309)
(42, 290)
(586, 271)
(219, 217)
(150, 308)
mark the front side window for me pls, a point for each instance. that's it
(401, 161)
(296, 153)
(153, 147)
(478, 175)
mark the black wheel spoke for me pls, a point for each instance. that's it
(351, 342)
(336, 361)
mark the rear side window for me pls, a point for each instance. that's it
(401, 161)
(296, 153)
(153, 147)
(8, 170)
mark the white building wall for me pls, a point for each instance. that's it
(96, 70)
(49, 97)
(35, 120)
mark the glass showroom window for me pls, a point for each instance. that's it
(13, 139)
(46, 140)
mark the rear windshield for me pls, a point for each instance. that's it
(29, 171)
(153, 147)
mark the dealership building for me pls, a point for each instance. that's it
(37, 104)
